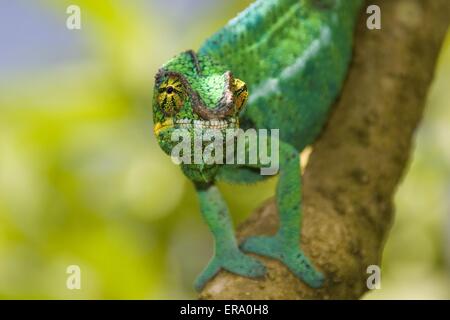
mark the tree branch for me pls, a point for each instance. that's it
(359, 160)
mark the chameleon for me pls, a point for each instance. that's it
(278, 64)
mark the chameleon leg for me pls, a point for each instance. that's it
(226, 254)
(284, 245)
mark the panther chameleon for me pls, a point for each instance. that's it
(293, 56)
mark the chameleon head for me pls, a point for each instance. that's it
(192, 92)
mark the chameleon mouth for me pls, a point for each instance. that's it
(196, 124)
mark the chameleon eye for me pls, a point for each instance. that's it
(171, 96)
(169, 90)
(240, 93)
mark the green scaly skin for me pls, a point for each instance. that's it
(293, 56)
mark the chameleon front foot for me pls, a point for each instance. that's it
(233, 261)
(290, 254)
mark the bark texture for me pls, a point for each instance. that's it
(356, 165)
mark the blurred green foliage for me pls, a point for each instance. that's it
(82, 180)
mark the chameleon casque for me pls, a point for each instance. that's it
(293, 56)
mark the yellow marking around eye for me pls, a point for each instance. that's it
(175, 82)
(161, 126)
(240, 91)
(171, 102)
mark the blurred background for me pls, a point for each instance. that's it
(83, 182)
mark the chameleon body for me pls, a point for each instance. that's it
(293, 56)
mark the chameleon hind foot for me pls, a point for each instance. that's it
(289, 254)
(233, 261)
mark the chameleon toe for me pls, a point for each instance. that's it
(290, 255)
(233, 261)
(207, 274)
(244, 265)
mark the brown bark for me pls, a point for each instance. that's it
(359, 160)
